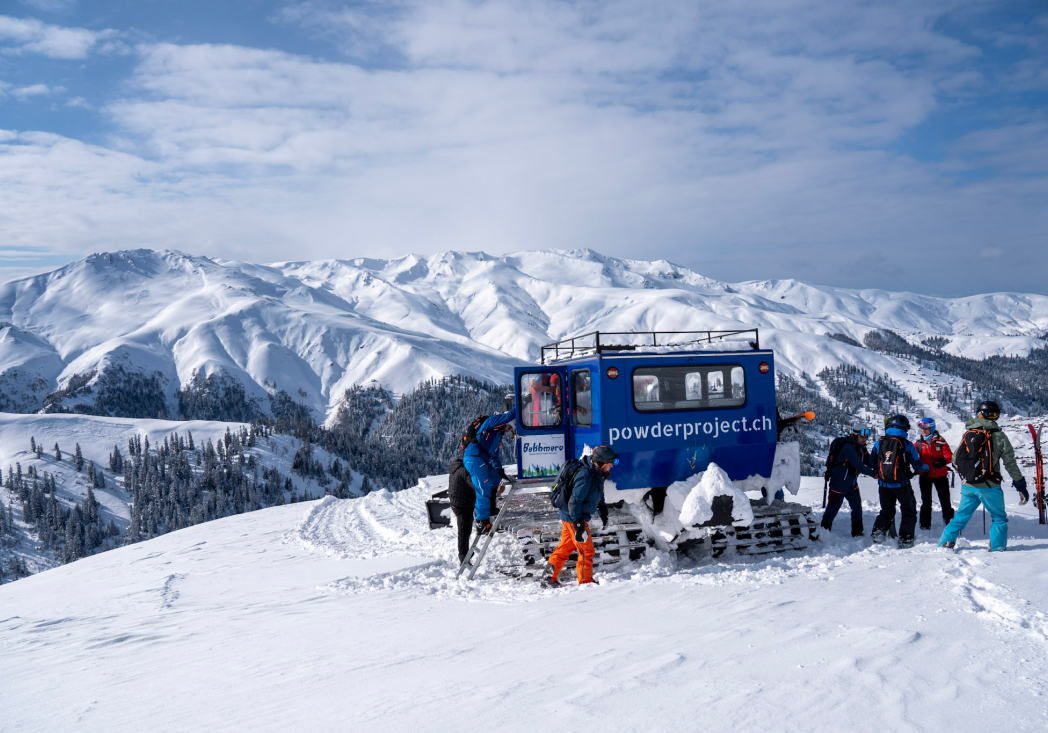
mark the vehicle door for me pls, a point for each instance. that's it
(543, 434)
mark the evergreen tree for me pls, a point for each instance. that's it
(58, 453)
(78, 459)
(32, 444)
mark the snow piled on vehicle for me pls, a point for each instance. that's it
(700, 490)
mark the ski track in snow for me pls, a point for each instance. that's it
(385, 524)
(996, 604)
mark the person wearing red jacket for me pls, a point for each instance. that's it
(936, 454)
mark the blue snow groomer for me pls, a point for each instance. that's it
(671, 404)
(665, 402)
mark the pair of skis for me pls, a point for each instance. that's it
(1042, 515)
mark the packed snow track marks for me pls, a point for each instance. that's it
(169, 594)
(987, 600)
(379, 524)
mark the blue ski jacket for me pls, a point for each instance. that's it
(851, 461)
(587, 493)
(488, 439)
(912, 454)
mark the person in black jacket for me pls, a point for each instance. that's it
(463, 499)
(848, 458)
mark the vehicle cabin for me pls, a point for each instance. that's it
(669, 403)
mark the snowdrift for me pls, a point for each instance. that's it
(346, 615)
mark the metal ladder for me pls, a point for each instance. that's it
(475, 556)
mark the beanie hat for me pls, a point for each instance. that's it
(603, 454)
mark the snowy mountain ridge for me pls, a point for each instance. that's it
(317, 328)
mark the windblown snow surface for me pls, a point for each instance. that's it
(346, 615)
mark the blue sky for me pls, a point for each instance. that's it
(897, 145)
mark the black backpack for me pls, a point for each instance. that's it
(974, 458)
(892, 463)
(560, 495)
(831, 458)
(471, 431)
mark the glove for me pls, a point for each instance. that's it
(1020, 486)
(603, 511)
(939, 463)
(924, 468)
(482, 526)
(580, 531)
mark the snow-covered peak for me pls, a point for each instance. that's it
(314, 328)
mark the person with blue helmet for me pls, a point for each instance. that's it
(481, 459)
(896, 461)
(936, 454)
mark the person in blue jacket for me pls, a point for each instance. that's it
(481, 458)
(587, 497)
(848, 458)
(896, 460)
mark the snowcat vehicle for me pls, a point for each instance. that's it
(671, 404)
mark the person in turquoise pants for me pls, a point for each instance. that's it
(987, 493)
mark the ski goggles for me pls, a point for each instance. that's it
(926, 424)
(863, 432)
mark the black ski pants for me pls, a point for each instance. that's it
(836, 500)
(942, 488)
(464, 520)
(908, 508)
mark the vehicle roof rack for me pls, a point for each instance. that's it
(592, 343)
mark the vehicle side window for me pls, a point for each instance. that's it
(582, 398)
(688, 387)
(540, 394)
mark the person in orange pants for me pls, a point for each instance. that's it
(587, 496)
(568, 544)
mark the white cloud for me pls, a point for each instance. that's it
(35, 90)
(28, 35)
(696, 131)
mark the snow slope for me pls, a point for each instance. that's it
(97, 437)
(316, 328)
(345, 615)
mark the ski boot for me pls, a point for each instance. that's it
(905, 543)
(546, 580)
(948, 546)
(824, 525)
(857, 529)
(878, 535)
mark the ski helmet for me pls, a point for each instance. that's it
(927, 422)
(898, 421)
(989, 409)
